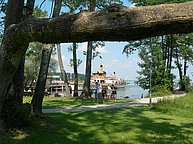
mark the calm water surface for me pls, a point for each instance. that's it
(131, 91)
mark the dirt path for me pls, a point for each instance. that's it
(138, 102)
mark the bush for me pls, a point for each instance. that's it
(161, 92)
(15, 116)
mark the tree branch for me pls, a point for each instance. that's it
(115, 23)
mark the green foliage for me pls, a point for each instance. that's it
(157, 55)
(39, 12)
(32, 62)
(81, 5)
(161, 92)
(155, 2)
(16, 116)
(78, 61)
(152, 64)
(3, 7)
(104, 3)
(95, 46)
(185, 84)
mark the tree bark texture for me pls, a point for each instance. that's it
(40, 85)
(86, 89)
(13, 16)
(115, 23)
(15, 92)
(14, 12)
(74, 47)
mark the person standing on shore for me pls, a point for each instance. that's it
(97, 93)
(109, 92)
(114, 92)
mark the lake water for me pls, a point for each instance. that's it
(131, 91)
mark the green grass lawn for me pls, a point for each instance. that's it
(61, 102)
(164, 124)
(138, 125)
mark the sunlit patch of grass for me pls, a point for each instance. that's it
(182, 106)
(18, 135)
(62, 102)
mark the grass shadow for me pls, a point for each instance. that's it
(114, 126)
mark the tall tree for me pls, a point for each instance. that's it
(21, 11)
(40, 85)
(74, 62)
(14, 16)
(75, 65)
(183, 54)
(74, 5)
(152, 62)
(41, 82)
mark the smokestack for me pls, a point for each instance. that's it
(114, 74)
(101, 69)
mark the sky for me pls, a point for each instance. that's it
(112, 58)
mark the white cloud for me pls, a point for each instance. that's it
(114, 61)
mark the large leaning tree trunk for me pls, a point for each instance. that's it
(13, 16)
(15, 93)
(63, 72)
(117, 23)
(41, 82)
(40, 85)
